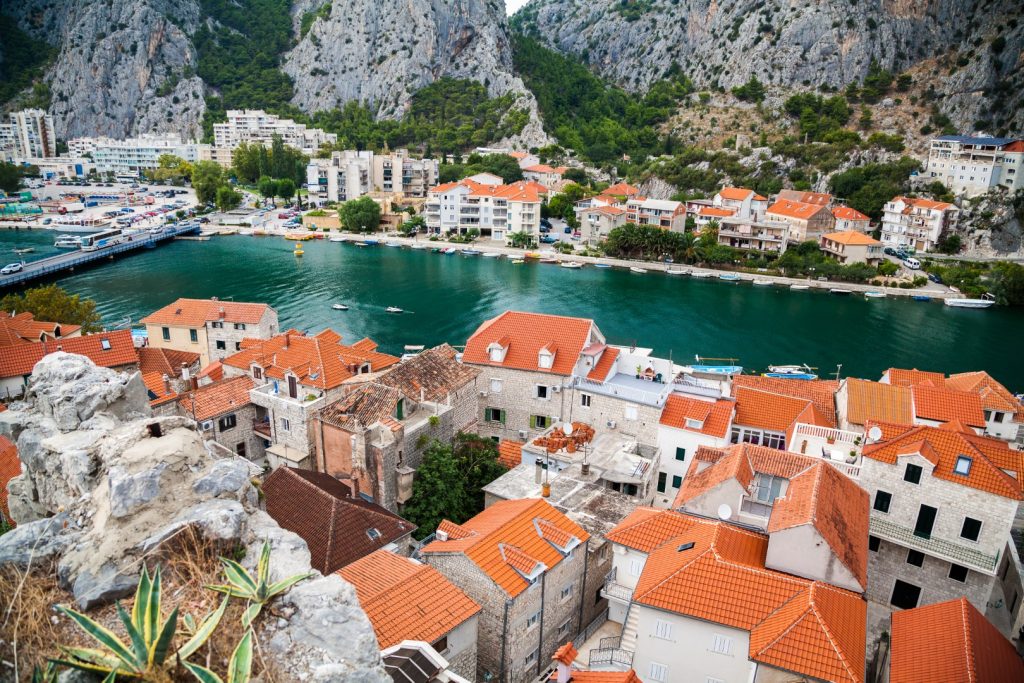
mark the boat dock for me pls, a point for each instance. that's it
(69, 261)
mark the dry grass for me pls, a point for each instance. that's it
(27, 628)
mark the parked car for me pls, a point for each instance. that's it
(545, 223)
(10, 268)
(545, 229)
(548, 239)
(890, 251)
(934, 278)
(568, 230)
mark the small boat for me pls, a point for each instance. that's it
(602, 265)
(394, 309)
(246, 231)
(762, 282)
(492, 254)
(571, 264)
(676, 272)
(702, 275)
(532, 254)
(517, 261)
(637, 269)
(339, 307)
(837, 290)
(371, 243)
(471, 252)
(450, 250)
(26, 250)
(68, 242)
(791, 372)
(549, 259)
(418, 246)
(412, 350)
(921, 297)
(730, 277)
(717, 369)
(299, 236)
(336, 239)
(361, 244)
(799, 287)
(969, 303)
(872, 294)
(392, 244)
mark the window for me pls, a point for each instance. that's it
(882, 500)
(239, 326)
(998, 417)
(531, 620)
(916, 558)
(227, 422)
(286, 426)
(257, 373)
(662, 629)
(494, 415)
(105, 344)
(566, 592)
(165, 332)
(912, 474)
(677, 481)
(240, 448)
(218, 325)
(963, 465)
(539, 421)
(767, 488)
(238, 346)
(542, 391)
(630, 413)
(971, 529)
(680, 454)
(222, 345)
(721, 644)
(531, 658)
(636, 567)
(661, 482)
(657, 672)
(585, 400)
(564, 628)
(905, 595)
(988, 415)
(441, 646)
(193, 336)
(958, 573)
(874, 543)
(496, 386)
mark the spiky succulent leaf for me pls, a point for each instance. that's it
(91, 656)
(82, 666)
(237, 575)
(101, 635)
(284, 584)
(153, 609)
(263, 566)
(251, 612)
(138, 643)
(201, 635)
(202, 674)
(111, 677)
(240, 666)
(141, 601)
(233, 591)
(158, 649)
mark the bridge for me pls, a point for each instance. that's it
(53, 265)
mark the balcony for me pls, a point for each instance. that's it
(628, 388)
(278, 391)
(262, 427)
(609, 654)
(840, 447)
(951, 551)
(616, 591)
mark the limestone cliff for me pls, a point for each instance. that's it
(971, 48)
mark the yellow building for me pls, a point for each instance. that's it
(212, 328)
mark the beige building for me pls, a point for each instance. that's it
(210, 327)
(483, 204)
(257, 126)
(806, 221)
(848, 219)
(852, 247)
(663, 213)
(32, 133)
(599, 220)
(917, 224)
(970, 165)
(741, 203)
(350, 174)
(741, 234)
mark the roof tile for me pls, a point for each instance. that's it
(527, 334)
(197, 312)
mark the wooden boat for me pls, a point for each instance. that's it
(339, 307)
(969, 303)
(637, 269)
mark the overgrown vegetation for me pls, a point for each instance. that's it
(23, 62)
(499, 164)
(867, 188)
(310, 17)
(1003, 280)
(52, 303)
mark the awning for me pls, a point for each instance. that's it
(288, 453)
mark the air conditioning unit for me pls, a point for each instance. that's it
(206, 425)
(611, 424)
(523, 434)
(483, 394)
(441, 535)
(555, 389)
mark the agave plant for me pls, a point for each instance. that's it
(150, 639)
(257, 591)
(239, 666)
(47, 674)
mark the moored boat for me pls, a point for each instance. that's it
(837, 290)
(336, 239)
(571, 264)
(672, 271)
(802, 371)
(517, 261)
(602, 265)
(449, 250)
(762, 282)
(637, 269)
(921, 297)
(492, 254)
(418, 246)
(68, 242)
(717, 369)
(532, 254)
(874, 295)
(969, 303)
(298, 250)
(730, 277)
(799, 287)
(702, 275)
(392, 244)
(471, 252)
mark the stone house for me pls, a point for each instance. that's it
(524, 563)
(338, 528)
(296, 375)
(23, 328)
(409, 600)
(167, 374)
(848, 219)
(226, 414)
(598, 220)
(376, 434)
(212, 328)
(852, 246)
(113, 350)
(807, 221)
(860, 401)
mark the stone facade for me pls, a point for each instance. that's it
(239, 437)
(514, 392)
(225, 338)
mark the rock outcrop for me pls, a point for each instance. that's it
(811, 44)
(103, 484)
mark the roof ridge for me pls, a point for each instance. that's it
(828, 633)
(968, 641)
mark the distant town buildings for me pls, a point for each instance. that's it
(212, 328)
(484, 204)
(131, 156)
(852, 246)
(28, 134)
(970, 165)
(257, 126)
(351, 174)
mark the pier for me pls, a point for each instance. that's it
(54, 265)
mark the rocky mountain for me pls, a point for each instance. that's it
(969, 51)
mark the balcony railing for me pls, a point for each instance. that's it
(615, 590)
(951, 551)
(610, 656)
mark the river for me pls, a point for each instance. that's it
(449, 296)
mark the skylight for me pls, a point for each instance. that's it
(684, 547)
(105, 344)
(963, 465)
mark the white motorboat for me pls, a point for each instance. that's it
(491, 254)
(637, 269)
(969, 303)
(336, 239)
(762, 282)
(702, 275)
(803, 371)
(419, 246)
(873, 294)
(799, 287)
(392, 244)
(676, 272)
(68, 242)
(394, 309)
(837, 290)
(571, 264)
(339, 307)
(26, 250)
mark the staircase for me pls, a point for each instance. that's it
(628, 641)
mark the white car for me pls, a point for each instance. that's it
(10, 268)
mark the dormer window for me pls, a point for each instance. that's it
(963, 465)
(105, 344)
(694, 424)
(496, 350)
(545, 359)
(257, 372)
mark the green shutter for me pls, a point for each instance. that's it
(680, 453)
(661, 482)
(501, 416)
(533, 422)
(677, 481)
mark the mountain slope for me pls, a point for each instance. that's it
(829, 43)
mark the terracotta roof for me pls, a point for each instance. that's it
(716, 211)
(600, 677)
(715, 416)
(431, 375)
(521, 191)
(945, 405)
(320, 361)
(544, 168)
(735, 193)
(212, 400)
(166, 361)
(646, 528)
(820, 391)
(852, 238)
(525, 334)
(407, 600)
(510, 453)
(337, 528)
(834, 505)
(920, 203)
(950, 642)
(1015, 146)
(518, 155)
(365, 406)
(621, 190)
(214, 371)
(792, 209)
(505, 540)
(847, 214)
(197, 312)
(991, 459)
(10, 467)
(160, 392)
(18, 360)
(994, 396)
(601, 369)
(908, 378)
(771, 411)
(23, 328)
(878, 402)
(713, 466)
(607, 210)
(804, 197)
(715, 572)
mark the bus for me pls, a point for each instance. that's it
(102, 240)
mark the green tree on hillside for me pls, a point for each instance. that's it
(360, 215)
(10, 177)
(54, 304)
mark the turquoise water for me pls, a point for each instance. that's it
(449, 296)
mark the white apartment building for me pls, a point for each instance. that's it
(79, 147)
(741, 202)
(670, 215)
(351, 174)
(971, 166)
(495, 210)
(6, 142)
(916, 223)
(257, 126)
(32, 133)
(132, 155)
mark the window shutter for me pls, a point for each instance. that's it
(501, 416)
(533, 422)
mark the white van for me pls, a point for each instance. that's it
(912, 263)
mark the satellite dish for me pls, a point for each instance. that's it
(724, 511)
(567, 428)
(875, 433)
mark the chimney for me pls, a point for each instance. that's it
(287, 339)
(167, 384)
(220, 313)
(184, 371)
(563, 659)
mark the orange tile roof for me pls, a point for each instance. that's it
(607, 210)
(510, 453)
(994, 396)
(23, 328)
(820, 391)
(159, 391)
(991, 458)
(715, 572)
(600, 677)
(407, 600)
(920, 203)
(10, 467)
(212, 400)
(214, 371)
(768, 410)
(847, 214)
(950, 642)
(197, 312)
(566, 654)
(819, 198)
(525, 335)
(735, 193)
(716, 211)
(599, 373)
(834, 505)
(320, 361)
(621, 190)
(716, 416)
(852, 238)
(946, 405)
(518, 155)
(908, 378)
(504, 539)
(544, 168)
(646, 528)
(1015, 146)
(792, 209)
(878, 402)
(19, 360)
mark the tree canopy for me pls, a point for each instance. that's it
(360, 215)
(54, 304)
